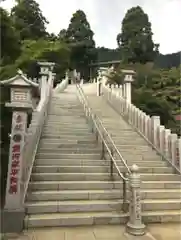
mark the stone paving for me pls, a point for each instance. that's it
(155, 232)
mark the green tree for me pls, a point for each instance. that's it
(135, 39)
(39, 50)
(62, 35)
(80, 37)
(29, 20)
(10, 44)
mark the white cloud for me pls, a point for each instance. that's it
(105, 17)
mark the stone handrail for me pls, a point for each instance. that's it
(167, 144)
(62, 85)
(33, 136)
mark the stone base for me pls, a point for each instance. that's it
(12, 220)
(136, 230)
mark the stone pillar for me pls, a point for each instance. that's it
(20, 103)
(167, 132)
(162, 132)
(155, 122)
(135, 225)
(99, 88)
(124, 90)
(121, 90)
(173, 142)
(178, 154)
(128, 91)
(18, 130)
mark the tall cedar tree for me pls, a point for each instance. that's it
(135, 39)
(80, 37)
(29, 20)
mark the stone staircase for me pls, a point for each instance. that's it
(70, 184)
(161, 186)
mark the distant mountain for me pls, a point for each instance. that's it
(168, 60)
(162, 61)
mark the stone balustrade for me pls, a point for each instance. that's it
(167, 144)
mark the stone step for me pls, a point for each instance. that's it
(60, 113)
(137, 150)
(69, 133)
(61, 141)
(129, 139)
(90, 162)
(63, 195)
(73, 206)
(101, 185)
(68, 156)
(96, 218)
(70, 150)
(94, 169)
(138, 157)
(70, 169)
(74, 219)
(75, 131)
(99, 177)
(98, 205)
(68, 145)
(63, 121)
(61, 124)
(68, 136)
(66, 127)
(76, 119)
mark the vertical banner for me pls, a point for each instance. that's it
(13, 195)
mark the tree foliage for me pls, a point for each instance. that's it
(10, 42)
(135, 39)
(80, 37)
(29, 20)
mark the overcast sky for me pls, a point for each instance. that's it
(105, 17)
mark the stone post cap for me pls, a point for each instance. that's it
(134, 168)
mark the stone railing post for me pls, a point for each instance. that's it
(135, 225)
(173, 141)
(99, 87)
(155, 122)
(162, 130)
(178, 154)
(167, 133)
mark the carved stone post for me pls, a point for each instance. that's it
(20, 103)
(135, 225)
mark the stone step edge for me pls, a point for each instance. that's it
(94, 214)
(102, 191)
(78, 173)
(85, 166)
(98, 202)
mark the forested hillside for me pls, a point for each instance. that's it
(161, 61)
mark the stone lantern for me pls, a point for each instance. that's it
(21, 102)
(128, 79)
(45, 68)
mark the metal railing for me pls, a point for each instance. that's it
(107, 145)
(33, 137)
